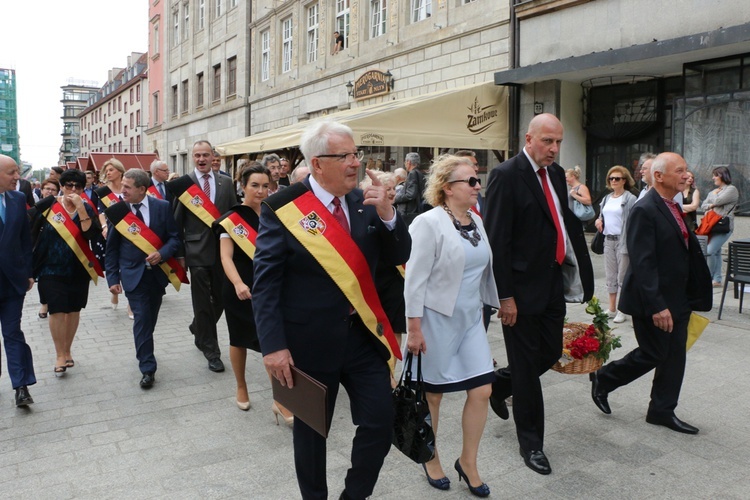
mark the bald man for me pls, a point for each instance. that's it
(539, 250)
(15, 279)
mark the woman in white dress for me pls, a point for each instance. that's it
(448, 278)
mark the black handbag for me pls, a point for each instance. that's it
(412, 427)
(721, 226)
(597, 244)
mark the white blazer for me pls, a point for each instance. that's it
(436, 265)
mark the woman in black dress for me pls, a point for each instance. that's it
(237, 230)
(63, 273)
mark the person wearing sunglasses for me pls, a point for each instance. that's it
(62, 275)
(448, 278)
(612, 221)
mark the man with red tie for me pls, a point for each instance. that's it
(202, 196)
(540, 261)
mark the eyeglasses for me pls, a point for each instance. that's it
(613, 178)
(471, 181)
(71, 185)
(346, 156)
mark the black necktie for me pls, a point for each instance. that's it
(138, 213)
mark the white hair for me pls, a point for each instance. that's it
(314, 140)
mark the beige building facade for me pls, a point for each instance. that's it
(422, 46)
(205, 66)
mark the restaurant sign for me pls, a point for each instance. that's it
(370, 84)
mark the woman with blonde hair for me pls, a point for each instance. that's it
(612, 221)
(578, 191)
(111, 175)
(448, 279)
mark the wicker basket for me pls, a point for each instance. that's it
(588, 364)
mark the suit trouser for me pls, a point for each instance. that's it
(364, 375)
(205, 292)
(533, 345)
(657, 350)
(145, 302)
(17, 352)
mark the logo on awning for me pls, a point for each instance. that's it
(370, 139)
(481, 118)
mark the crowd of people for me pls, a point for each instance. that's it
(315, 273)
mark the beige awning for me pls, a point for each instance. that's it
(472, 117)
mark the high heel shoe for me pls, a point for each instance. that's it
(243, 406)
(442, 484)
(480, 491)
(114, 301)
(277, 413)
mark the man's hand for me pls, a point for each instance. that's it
(663, 320)
(154, 258)
(31, 284)
(508, 312)
(277, 364)
(116, 289)
(377, 195)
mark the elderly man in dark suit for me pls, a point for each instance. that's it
(201, 250)
(306, 319)
(15, 279)
(667, 279)
(159, 175)
(132, 270)
(540, 261)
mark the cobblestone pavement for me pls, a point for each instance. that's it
(95, 434)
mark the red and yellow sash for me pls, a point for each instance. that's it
(241, 232)
(88, 200)
(152, 191)
(107, 197)
(63, 223)
(315, 228)
(402, 270)
(146, 240)
(199, 204)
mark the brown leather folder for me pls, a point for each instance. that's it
(308, 400)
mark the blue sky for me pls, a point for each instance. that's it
(49, 42)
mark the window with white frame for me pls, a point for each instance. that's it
(377, 17)
(232, 4)
(312, 33)
(467, 1)
(219, 8)
(186, 20)
(201, 14)
(286, 48)
(232, 76)
(155, 49)
(176, 31)
(265, 59)
(420, 10)
(342, 20)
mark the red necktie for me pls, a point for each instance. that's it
(339, 215)
(560, 249)
(206, 186)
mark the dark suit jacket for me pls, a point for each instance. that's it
(25, 187)
(409, 200)
(663, 273)
(15, 243)
(297, 305)
(168, 194)
(523, 236)
(200, 243)
(125, 262)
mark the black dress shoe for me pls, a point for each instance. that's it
(536, 461)
(23, 398)
(147, 382)
(599, 395)
(673, 423)
(215, 365)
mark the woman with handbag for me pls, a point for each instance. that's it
(721, 200)
(615, 209)
(448, 278)
(579, 196)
